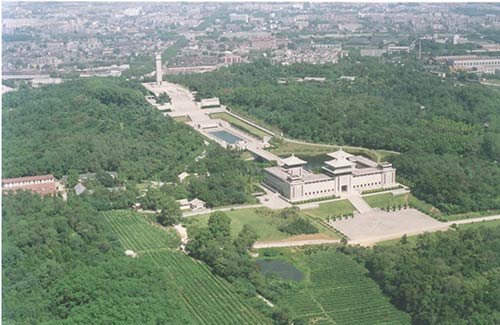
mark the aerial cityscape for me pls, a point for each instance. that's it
(250, 163)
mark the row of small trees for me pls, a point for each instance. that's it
(395, 207)
(340, 216)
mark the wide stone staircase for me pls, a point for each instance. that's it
(359, 203)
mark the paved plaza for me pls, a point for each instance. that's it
(376, 225)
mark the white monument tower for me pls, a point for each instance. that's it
(159, 74)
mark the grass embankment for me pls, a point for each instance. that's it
(470, 215)
(311, 149)
(240, 112)
(240, 125)
(182, 119)
(492, 82)
(493, 223)
(264, 225)
(335, 290)
(412, 240)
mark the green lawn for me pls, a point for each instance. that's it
(263, 225)
(387, 199)
(327, 209)
(240, 124)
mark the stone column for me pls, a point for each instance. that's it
(159, 73)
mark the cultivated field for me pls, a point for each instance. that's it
(136, 233)
(339, 292)
(208, 298)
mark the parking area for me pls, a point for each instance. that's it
(371, 227)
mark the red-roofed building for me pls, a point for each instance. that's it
(43, 185)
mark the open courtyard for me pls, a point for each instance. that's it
(371, 227)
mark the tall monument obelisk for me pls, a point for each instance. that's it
(159, 73)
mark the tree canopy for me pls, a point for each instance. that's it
(91, 126)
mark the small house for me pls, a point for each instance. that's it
(182, 176)
(79, 189)
(197, 204)
(137, 207)
(184, 204)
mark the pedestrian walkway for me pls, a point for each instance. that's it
(359, 203)
(295, 243)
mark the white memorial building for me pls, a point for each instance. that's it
(345, 173)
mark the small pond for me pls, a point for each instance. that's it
(226, 136)
(284, 270)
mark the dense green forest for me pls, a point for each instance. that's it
(448, 133)
(448, 277)
(92, 125)
(60, 263)
(100, 125)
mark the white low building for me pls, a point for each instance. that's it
(194, 204)
(210, 102)
(480, 64)
(345, 173)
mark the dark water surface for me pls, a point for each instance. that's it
(284, 270)
(226, 136)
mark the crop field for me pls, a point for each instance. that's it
(136, 233)
(339, 292)
(208, 298)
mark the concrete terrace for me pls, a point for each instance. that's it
(377, 225)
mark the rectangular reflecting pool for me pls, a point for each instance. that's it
(226, 136)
